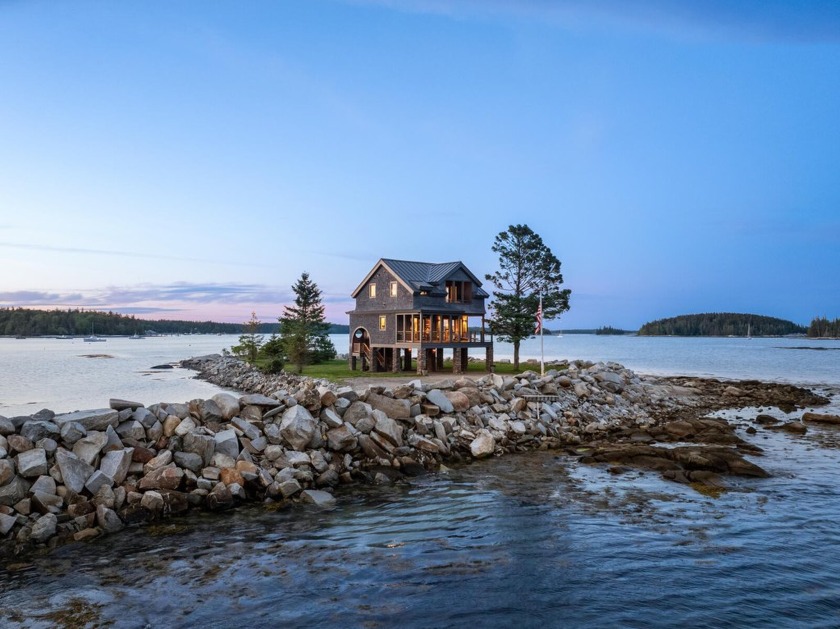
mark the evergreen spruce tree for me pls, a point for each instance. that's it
(250, 342)
(527, 268)
(303, 332)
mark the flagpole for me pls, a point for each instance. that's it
(542, 350)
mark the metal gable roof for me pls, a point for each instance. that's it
(427, 275)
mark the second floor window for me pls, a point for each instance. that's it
(382, 322)
(371, 290)
(393, 289)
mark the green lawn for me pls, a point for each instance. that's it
(338, 371)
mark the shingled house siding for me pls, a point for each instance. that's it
(370, 322)
(383, 300)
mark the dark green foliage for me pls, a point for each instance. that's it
(720, 324)
(250, 342)
(527, 267)
(303, 332)
(823, 328)
(274, 365)
(608, 329)
(32, 322)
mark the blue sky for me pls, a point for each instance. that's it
(191, 159)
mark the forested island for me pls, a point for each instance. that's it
(823, 328)
(33, 322)
(721, 324)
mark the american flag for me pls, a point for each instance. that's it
(539, 317)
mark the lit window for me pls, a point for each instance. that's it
(371, 290)
(382, 322)
(393, 289)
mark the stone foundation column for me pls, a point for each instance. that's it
(407, 360)
(458, 365)
(395, 360)
(489, 359)
(439, 356)
(421, 360)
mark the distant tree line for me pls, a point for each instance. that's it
(721, 324)
(274, 328)
(31, 322)
(821, 328)
(608, 329)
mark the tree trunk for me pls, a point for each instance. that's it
(516, 356)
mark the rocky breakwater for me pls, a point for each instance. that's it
(288, 439)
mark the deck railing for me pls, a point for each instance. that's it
(436, 336)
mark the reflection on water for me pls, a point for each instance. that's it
(531, 540)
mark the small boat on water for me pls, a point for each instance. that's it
(136, 336)
(93, 338)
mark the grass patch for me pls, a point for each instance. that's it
(338, 371)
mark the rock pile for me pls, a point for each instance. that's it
(77, 475)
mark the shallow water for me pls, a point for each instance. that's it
(527, 540)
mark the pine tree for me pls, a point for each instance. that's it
(527, 267)
(303, 332)
(250, 341)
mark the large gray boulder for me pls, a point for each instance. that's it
(7, 522)
(202, 445)
(145, 417)
(108, 520)
(14, 491)
(44, 528)
(115, 464)
(356, 411)
(190, 461)
(74, 471)
(341, 438)
(97, 419)
(89, 447)
(131, 429)
(318, 498)
(98, 480)
(32, 463)
(7, 471)
(6, 426)
(228, 405)
(206, 410)
(388, 428)
(227, 443)
(37, 430)
(247, 428)
(437, 397)
(71, 432)
(298, 427)
(256, 399)
(396, 409)
(483, 445)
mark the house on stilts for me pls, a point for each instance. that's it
(417, 310)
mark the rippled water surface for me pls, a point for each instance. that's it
(535, 540)
(528, 540)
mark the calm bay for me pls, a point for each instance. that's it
(528, 540)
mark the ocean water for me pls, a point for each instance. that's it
(532, 540)
(67, 375)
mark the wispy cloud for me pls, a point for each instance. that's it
(38, 298)
(149, 295)
(124, 254)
